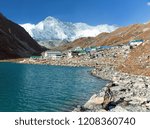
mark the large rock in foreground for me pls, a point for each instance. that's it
(15, 42)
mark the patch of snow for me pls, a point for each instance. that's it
(28, 27)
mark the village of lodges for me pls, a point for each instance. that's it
(92, 52)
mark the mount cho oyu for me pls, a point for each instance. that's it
(53, 32)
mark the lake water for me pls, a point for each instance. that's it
(45, 88)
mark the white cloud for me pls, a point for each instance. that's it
(148, 3)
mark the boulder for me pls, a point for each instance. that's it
(147, 105)
(94, 100)
(108, 98)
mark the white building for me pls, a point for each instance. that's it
(78, 48)
(52, 55)
(69, 54)
(135, 42)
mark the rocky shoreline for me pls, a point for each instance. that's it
(131, 93)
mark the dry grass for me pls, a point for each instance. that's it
(138, 61)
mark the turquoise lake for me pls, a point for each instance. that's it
(43, 88)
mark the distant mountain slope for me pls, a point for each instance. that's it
(15, 42)
(53, 29)
(120, 36)
(138, 61)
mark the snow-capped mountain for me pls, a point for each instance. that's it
(52, 29)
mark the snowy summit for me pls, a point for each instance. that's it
(53, 29)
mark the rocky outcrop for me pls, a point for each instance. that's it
(131, 92)
(15, 42)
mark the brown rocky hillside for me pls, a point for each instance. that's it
(120, 36)
(15, 42)
(138, 61)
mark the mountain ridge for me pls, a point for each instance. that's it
(15, 42)
(120, 36)
(53, 29)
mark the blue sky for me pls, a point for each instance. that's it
(93, 12)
